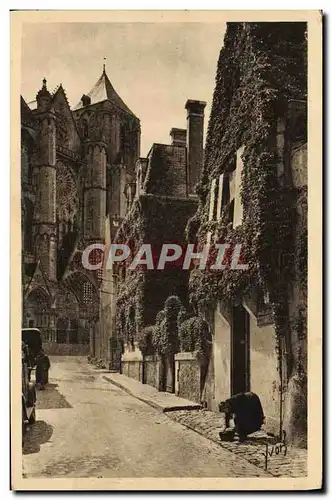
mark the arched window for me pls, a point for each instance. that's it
(85, 129)
(61, 330)
(87, 292)
(73, 332)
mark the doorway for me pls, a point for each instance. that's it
(240, 369)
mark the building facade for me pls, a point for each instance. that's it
(76, 165)
(164, 201)
(253, 192)
(229, 330)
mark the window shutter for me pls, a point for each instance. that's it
(220, 191)
(212, 197)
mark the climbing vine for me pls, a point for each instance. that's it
(194, 335)
(166, 337)
(144, 339)
(136, 289)
(261, 67)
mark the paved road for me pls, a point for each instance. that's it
(86, 427)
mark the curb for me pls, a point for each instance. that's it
(163, 409)
(252, 460)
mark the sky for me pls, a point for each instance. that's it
(154, 67)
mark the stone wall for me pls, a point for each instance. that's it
(132, 369)
(221, 358)
(264, 376)
(166, 174)
(54, 349)
(188, 376)
(132, 363)
(295, 400)
(152, 371)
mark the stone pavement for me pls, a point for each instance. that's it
(89, 428)
(164, 401)
(208, 424)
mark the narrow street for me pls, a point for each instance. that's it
(86, 427)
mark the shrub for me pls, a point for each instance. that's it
(194, 335)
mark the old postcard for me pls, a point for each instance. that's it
(166, 324)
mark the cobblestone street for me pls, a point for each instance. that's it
(87, 427)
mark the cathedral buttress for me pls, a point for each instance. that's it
(95, 192)
(45, 216)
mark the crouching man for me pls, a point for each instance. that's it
(247, 411)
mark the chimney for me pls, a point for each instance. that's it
(195, 120)
(179, 136)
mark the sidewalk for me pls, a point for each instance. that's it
(164, 401)
(208, 424)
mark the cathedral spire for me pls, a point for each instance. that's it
(43, 97)
(102, 91)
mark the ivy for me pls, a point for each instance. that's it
(261, 66)
(165, 335)
(194, 335)
(145, 223)
(144, 339)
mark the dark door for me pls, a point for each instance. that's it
(170, 374)
(240, 350)
(167, 374)
(115, 354)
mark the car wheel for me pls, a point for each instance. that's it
(32, 419)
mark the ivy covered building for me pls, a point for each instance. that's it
(165, 199)
(207, 334)
(77, 169)
(253, 192)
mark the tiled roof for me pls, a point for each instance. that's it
(102, 91)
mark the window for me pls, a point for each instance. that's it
(73, 332)
(238, 207)
(85, 336)
(212, 199)
(230, 215)
(87, 293)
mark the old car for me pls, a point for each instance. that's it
(32, 338)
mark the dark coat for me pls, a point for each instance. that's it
(43, 365)
(248, 411)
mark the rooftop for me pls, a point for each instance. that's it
(103, 90)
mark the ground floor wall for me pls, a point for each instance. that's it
(221, 358)
(151, 371)
(264, 374)
(104, 346)
(262, 365)
(188, 376)
(132, 363)
(52, 348)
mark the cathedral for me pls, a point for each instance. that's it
(77, 170)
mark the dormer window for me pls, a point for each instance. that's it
(86, 100)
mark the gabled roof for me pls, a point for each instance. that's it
(103, 91)
(24, 107)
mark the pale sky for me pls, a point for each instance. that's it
(154, 67)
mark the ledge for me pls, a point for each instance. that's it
(187, 356)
